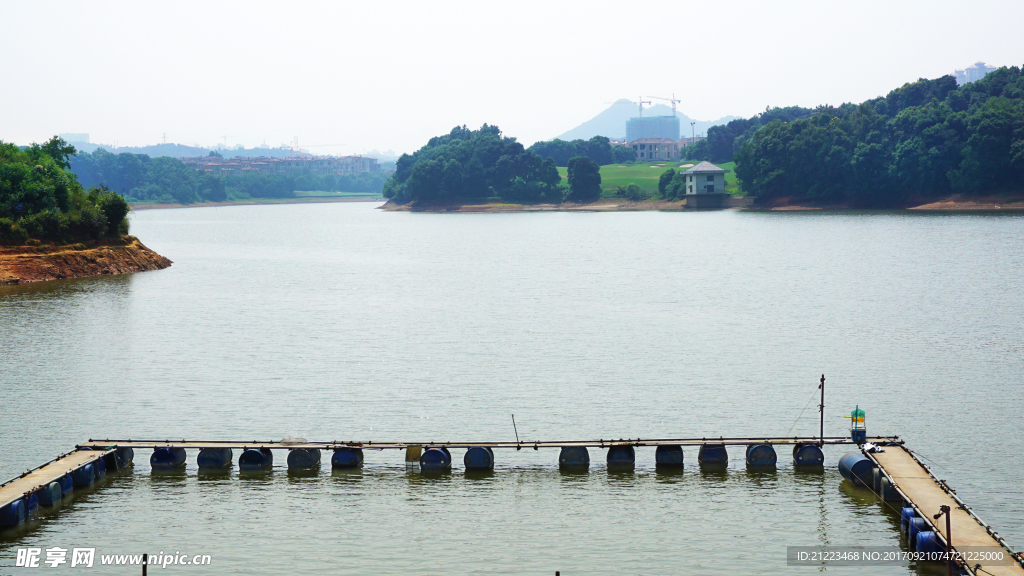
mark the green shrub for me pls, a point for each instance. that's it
(7, 229)
(89, 223)
(113, 206)
(45, 225)
(632, 192)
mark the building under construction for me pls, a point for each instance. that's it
(654, 127)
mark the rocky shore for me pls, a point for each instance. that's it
(35, 263)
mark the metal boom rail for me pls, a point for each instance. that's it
(536, 444)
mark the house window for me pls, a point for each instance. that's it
(643, 146)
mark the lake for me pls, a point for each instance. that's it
(342, 322)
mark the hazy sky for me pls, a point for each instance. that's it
(357, 76)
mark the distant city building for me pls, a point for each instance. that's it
(648, 149)
(977, 71)
(74, 137)
(330, 165)
(653, 127)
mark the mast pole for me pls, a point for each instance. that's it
(821, 408)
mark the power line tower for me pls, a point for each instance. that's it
(165, 137)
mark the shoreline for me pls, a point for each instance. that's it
(24, 264)
(603, 205)
(954, 203)
(254, 202)
(947, 204)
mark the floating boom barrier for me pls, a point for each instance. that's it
(893, 472)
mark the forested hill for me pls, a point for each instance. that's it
(926, 139)
(471, 164)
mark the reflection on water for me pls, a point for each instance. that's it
(714, 471)
(348, 474)
(574, 473)
(215, 477)
(482, 476)
(762, 476)
(669, 474)
(621, 476)
(257, 477)
(301, 473)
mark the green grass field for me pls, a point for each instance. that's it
(646, 174)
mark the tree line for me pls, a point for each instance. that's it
(725, 141)
(162, 179)
(470, 165)
(598, 149)
(41, 199)
(926, 139)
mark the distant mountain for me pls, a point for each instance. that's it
(612, 122)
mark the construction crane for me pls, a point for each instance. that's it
(672, 100)
(295, 150)
(642, 105)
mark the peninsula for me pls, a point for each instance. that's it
(51, 228)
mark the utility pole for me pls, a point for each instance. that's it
(693, 132)
(165, 137)
(821, 408)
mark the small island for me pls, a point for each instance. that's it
(51, 228)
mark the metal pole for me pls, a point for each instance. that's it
(516, 430)
(145, 561)
(949, 538)
(821, 408)
(949, 543)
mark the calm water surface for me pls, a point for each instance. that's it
(337, 321)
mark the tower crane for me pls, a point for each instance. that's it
(672, 100)
(293, 146)
(642, 105)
